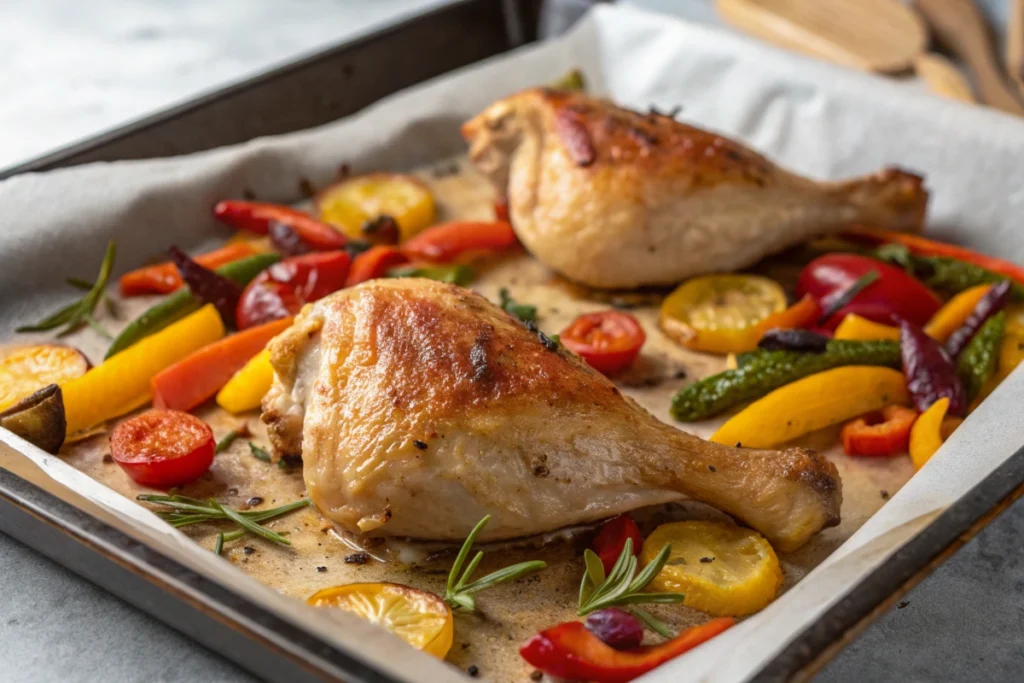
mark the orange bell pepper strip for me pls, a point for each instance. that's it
(888, 435)
(926, 434)
(163, 278)
(374, 263)
(447, 241)
(854, 327)
(954, 313)
(572, 652)
(200, 375)
(801, 314)
(926, 247)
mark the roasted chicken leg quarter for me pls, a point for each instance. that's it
(613, 198)
(419, 407)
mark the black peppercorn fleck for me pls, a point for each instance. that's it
(473, 671)
(422, 445)
(357, 558)
(248, 550)
(705, 560)
(254, 501)
(321, 569)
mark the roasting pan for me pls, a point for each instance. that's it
(309, 92)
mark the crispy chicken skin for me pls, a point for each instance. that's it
(613, 198)
(419, 407)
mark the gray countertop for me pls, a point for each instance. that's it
(74, 69)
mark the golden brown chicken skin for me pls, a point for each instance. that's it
(614, 198)
(419, 407)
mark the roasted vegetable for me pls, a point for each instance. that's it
(163, 278)
(570, 651)
(39, 419)
(722, 569)
(612, 537)
(25, 369)
(374, 263)
(122, 383)
(182, 303)
(926, 434)
(283, 289)
(524, 313)
(608, 340)
(765, 371)
(454, 273)
(812, 403)
(246, 389)
(350, 203)
(721, 313)
(949, 275)
(207, 286)
(954, 313)
(616, 628)
(258, 217)
(929, 370)
(977, 363)
(163, 448)
(448, 241)
(382, 230)
(199, 376)
(287, 241)
(793, 340)
(879, 434)
(854, 327)
(573, 81)
(994, 300)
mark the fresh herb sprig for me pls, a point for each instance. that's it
(229, 438)
(182, 511)
(623, 586)
(524, 312)
(80, 312)
(459, 591)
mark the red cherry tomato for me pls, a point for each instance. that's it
(163, 448)
(374, 263)
(285, 287)
(612, 538)
(608, 340)
(894, 294)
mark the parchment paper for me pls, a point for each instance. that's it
(815, 118)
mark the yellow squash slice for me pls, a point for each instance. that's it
(350, 203)
(420, 618)
(722, 569)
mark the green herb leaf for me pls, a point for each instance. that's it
(653, 623)
(523, 312)
(218, 547)
(81, 312)
(226, 441)
(456, 274)
(595, 568)
(179, 511)
(259, 453)
(459, 589)
(623, 586)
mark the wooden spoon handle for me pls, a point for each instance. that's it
(961, 27)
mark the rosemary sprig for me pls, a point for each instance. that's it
(259, 453)
(229, 438)
(623, 585)
(80, 312)
(459, 591)
(524, 312)
(182, 511)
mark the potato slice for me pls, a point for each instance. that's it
(39, 419)
(26, 369)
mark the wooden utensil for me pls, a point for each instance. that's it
(873, 35)
(1015, 45)
(943, 77)
(960, 26)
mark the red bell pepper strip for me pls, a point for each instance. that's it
(447, 241)
(374, 263)
(926, 247)
(879, 435)
(285, 287)
(200, 375)
(572, 652)
(612, 538)
(163, 278)
(256, 217)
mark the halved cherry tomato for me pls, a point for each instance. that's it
(879, 434)
(892, 293)
(163, 448)
(608, 340)
(612, 538)
(572, 652)
(374, 263)
(285, 287)
(447, 241)
(256, 217)
(163, 278)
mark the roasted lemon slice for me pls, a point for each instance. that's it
(722, 569)
(27, 369)
(351, 203)
(420, 618)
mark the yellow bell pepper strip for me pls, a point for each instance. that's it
(857, 328)
(122, 383)
(245, 390)
(954, 313)
(813, 403)
(926, 434)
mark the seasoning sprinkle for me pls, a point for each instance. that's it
(321, 569)
(357, 558)
(422, 445)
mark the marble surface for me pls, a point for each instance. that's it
(73, 69)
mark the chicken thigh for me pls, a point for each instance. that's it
(613, 198)
(418, 407)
